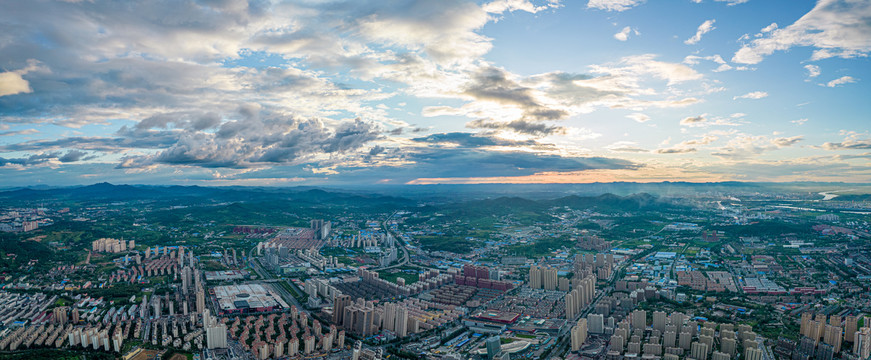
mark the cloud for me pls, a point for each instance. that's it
(688, 146)
(748, 146)
(835, 28)
(623, 35)
(769, 28)
(848, 144)
(35, 159)
(47, 157)
(632, 67)
(444, 30)
(722, 65)
(625, 147)
(505, 101)
(471, 140)
(461, 155)
(704, 120)
(825, 168)
(377, 149)
(812, 70)
(704, 28)
(787, 141)
(693, 120)
(501, 6)
(704, 140)
(840, 81)
(799, 121)
(19, 132)
(493, 84)
(613, 5)
(13, 82)
(639, 117)
(255, 140)
(861, 156)
(675, 150)
(518, 126)
(76, 155)
(755, 95)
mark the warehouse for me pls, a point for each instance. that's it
(247, 299)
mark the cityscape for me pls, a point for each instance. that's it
(719, 272)
(435, 179)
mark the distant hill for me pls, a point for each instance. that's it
(106, 192)
(612, 202)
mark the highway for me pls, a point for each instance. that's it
(403, 261)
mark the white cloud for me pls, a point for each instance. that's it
(755, 95)
(799, 121)
(623, 35)
(613, 5)
(639, 117)
(12, 82)
(704, 28)
(625, 147)
(749, 146)
(733, 2)
(722, 65)
(704, 120)
(840, 81)
(676, 150)
(835, 28)
(633, 66)
(501, 6)
(769, 28)
(786, 141)
(693, 120)
(812, 70)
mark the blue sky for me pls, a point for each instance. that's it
(265, 92)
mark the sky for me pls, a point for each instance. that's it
(365, 92)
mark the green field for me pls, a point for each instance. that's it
(391, 276)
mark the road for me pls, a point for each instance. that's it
(403, 261)
(766, 351)
(268, 277)
(565, 341)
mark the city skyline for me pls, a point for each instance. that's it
(421, 92)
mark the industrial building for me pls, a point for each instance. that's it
(246, 299)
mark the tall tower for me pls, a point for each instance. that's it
(201, 300)
(401, 321)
